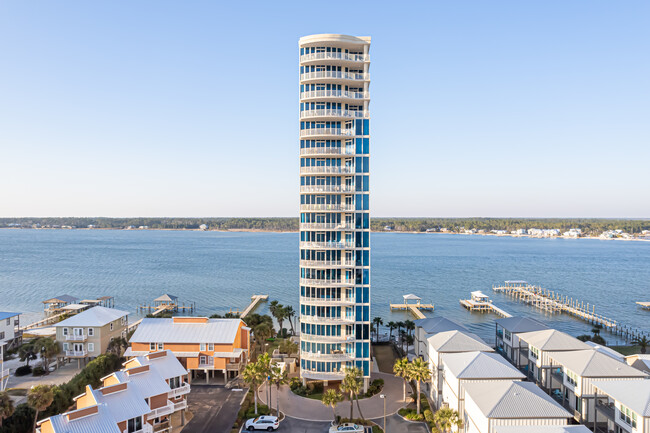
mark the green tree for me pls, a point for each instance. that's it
(331, 398)
(261, 332)
(401, 369)
(391, 327)
(27, 352)
(410, 326)
(352, 384)
(290, 313)
(643, 342)
(419, 372)
(377, 321)
(446, 418)
(39, 397)
(48, 348)
(6, 407)
(253, 376)
(279, 377)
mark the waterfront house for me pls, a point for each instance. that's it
(490, 405)
(507, 338)
(88, 334)
(448, 342)
(466, 367)
(639, 361)
(208, 348)
(624, 408)
(429, 326)
(10, 335)
(54, 305)
(575, 371)
(540, 345)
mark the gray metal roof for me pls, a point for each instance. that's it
(125, 404)
(520, 324)
(166, 366)
(101, 422)
(606, 350)
(148, 383)
(592, 363)
(552, 340)
(431, 325)
(219, 331)
(166, 297)
(507, 399)
(457, 341)
(95, 316)
(541, 429)
(480, 365)
(635, 395)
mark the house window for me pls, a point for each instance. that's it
(202, 360)
(134, 424)
(91, 332)
(160, 346)
(65, 346)
(211, 347)
(65, 331)
(111, 326)
(152, 346)
(91, 347)
(2, 335)
(9, 321)
(202, 347)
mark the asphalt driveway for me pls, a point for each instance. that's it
(214, 407)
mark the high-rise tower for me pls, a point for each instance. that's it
(334, 206)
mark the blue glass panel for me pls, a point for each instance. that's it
(366, 127)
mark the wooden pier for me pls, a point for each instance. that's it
(415, 308)
(644, 305)
(168, 303)
(255, 301)
(482, 304)
(44, 322)
(552, 302)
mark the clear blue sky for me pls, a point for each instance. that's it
(189, 108)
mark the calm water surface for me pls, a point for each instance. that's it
(220, 271)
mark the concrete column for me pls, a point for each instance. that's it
(225, 377)
(207, 376)
(366, 382)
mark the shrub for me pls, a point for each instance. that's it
(295, 383)
(21, 421)
(23, 370)
(428, 415)
(38, 371)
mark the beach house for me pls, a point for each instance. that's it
(622, 408)
(507, 338)
(429, 326)
(10, 334)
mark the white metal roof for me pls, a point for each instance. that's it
(95, 316)
(148, 383)
(457, 341)
(219, 331)
(478, 294)
(592, 363)
(552, 340)
(480, 365)
(166, 298)
(125, 404)
(636, 397)
(73, 307)
(411, 297)
(431, 325)
(167, 366)
(100, 422)
(607, 351)
(541, 429)
(508, 399)
(520, 324)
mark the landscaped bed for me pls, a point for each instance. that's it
(314, 390)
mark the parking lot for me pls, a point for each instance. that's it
(214, 407)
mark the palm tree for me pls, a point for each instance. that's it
(402, 339)
(391, 326)
(6, 407)
(290, 312)
(377, 321)
(447, 418)
(410, 326)
(419, 372)
(48, 348)
(331, 398)
(596, 329)
(279, 377)
(401, 369)
(252, 375)
(40, 397)
(352, 383)
(643, 342)
(262, 331)
(27, 352)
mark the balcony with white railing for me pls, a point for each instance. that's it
(77, 337)
(314, 282)
(336, 94)
(326, 226)
(327, 150)
(326, 263)
(337, 357)
(322, 375)
(325, 206)
(327, 170)
(180, 405)
(76, 353)
(181, 390)
(331, 245)
(348, 57)
(146, 428)
(161, 411)
(351, 114)
(327, 338)
(327, 301)
(326, 131)
(334, 75)
(326, 320)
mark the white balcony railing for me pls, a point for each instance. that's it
(339, 94)
(336, 75)
(146, 428)
(327, 150)
(82, 337)
(180, 405)
(4, 373)
(327, 356)
(323, 301)
(327, 170)
(334, 245)
(161, 411)
(328, 188)
(327, 338)
(76, 353)
(319, 206)
(326, 131)
(181, 390)
(316, 319)
(354, 114)
(326, 226)
(326, 283)
(326, 263)
(335, 56)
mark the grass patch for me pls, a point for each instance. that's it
(626, 350)
(17, 392)
(315, 396)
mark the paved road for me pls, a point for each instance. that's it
(396, 424)
(301, 426)
(214, 407)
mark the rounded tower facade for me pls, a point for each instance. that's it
(334, 206)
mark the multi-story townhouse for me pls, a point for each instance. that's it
(540, 345)
(448, 342)
(210, 349)
(9, 330)
(490, 406)
(429, 326)
(461, 368)
(575, 372)
(88, 334)
(625, 408)
(334, 206)
(507, 338)
(639, 361)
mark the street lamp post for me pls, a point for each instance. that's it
(383, 397)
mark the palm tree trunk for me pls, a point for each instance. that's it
(293, 331)
(277, 402)
(35, 419)
(333, 412)
(351, 406)
(404, 387)
(255, 395)
(418, 387)
(359, 406)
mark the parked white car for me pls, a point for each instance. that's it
(348, 427)
(264, 422)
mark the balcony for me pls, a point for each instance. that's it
(334, 94)
(347, 57)
(180, 405)
(326, 226)
(326, 283)
(181, 390)
(334, 75)
(146, 428)
(606, 410)
(349, 114)
(327, 170)
(327, 338)
(326, 263)
(327, 301)
(326, 132)
(233, 366)
(318, 207)
(322, 375)
(336, 357)
(329, 245)
(77, 337)
(161, 411)
(326, 150)
(326, 320)
(76, 353)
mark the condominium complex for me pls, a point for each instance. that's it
(334, 206)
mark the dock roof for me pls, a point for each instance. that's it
(166, 298)
(411, 297)
(480, 365)
(552, 340)
(167, 331)
(61, 298)
(507, 399)
(94, 317)
(431, 325)
(518, 324)
(457, 341)
(592, 363)
(636, 397)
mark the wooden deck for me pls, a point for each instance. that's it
(484, 307)
(255, 300)
(644, 305)
(414, 309)
(47, 321)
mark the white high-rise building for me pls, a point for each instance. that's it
(334, 206)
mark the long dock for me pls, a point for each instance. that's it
(644, 305)
(414, 309)
(255, 300)
(47, 321)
